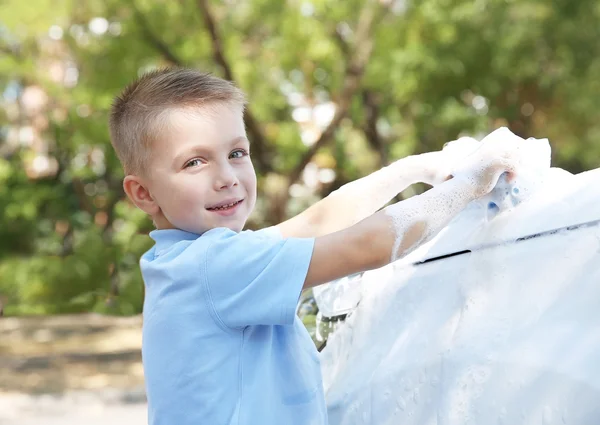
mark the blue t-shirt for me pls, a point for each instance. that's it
(221, 340)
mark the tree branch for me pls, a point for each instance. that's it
(370, 126)
(67, 242)
(153, 39)
(217, 45)
(354, 72)
(341, 43)
(14, 51)
(7, 50)
(259, 142)
(360, 53)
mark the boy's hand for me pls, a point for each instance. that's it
(485, 177)
(483, 168)
(437, 167)
(479, 163)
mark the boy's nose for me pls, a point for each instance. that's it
(225, 179)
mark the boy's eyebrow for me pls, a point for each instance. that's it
(240, 139)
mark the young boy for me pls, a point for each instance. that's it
(221, 341)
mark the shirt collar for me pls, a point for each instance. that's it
(166, 238)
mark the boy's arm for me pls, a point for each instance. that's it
(358, 199)
(398, 229)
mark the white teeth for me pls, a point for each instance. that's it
(222, 207)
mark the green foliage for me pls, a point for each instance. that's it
(70, 242)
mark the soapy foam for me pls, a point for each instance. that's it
(419, 218)
(503, 336)
(532, 161)
(381, 186)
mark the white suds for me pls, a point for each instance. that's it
(529, 159)
(426, 214)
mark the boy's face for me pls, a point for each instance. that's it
(200, 175)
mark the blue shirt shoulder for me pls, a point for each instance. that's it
(221, 340)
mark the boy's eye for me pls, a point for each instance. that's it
(240, 153)
(193, 163)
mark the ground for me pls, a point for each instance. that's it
(70, 370)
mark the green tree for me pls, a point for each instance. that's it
(336, 90)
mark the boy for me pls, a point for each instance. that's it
(221, 341)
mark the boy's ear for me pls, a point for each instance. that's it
(137, 190)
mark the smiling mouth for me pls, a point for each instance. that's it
(226, 206)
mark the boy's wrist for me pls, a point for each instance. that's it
(422, 168)
(412, 168)
(466, 186)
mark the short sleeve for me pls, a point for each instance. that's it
(255, 278)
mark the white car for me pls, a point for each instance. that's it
(491, 322)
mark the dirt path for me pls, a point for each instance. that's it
(91, 407)
(71, 370)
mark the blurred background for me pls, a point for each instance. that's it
(337, 89)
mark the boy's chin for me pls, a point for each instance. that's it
(236, 227)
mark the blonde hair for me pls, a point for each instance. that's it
(138, 113)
